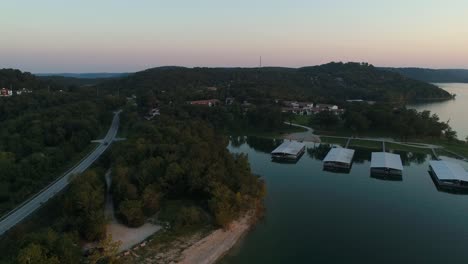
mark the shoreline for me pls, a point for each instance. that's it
(217, 244)
(199, 247)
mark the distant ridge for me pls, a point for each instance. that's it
(96, 75)
(334, 81)
(432, 75)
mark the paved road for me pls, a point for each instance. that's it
(28, 207)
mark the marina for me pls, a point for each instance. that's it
(338, 159)
(288, 151)
(412, 210)
(448, 175)
(386, 164)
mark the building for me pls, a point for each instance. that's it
(338, 158)
(4, 92)
(229, 100)
(360, 101)
(328, 107)
(23, 91)
(384, 163)
(298, 108)
(288, 150)
(309, 108)
(210, 102)
(448, 175)
(152, 113)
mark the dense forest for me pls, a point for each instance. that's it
(42, 132)
(328, 82)
(181, 159)
(15, 79)
(433, 75)
(362, 118)
(165, 161)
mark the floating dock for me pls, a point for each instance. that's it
(288, 151)
(385, 163)
(448, 175)
(338, 159)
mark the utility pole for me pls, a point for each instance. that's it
(260, 61)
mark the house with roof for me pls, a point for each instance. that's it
(209, 103)
(4, 92)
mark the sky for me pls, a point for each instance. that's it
(130, 35)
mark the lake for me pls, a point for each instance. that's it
(453, 110)
(314, 216)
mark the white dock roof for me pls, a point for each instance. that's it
(446, 170)
(342, 155)
(289, 147)
(386, 160)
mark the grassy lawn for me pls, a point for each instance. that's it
(345, 132)
(276, 133)
(332, 140)
(366, 143)
(459, 147)
(301, 120)
(393, 146)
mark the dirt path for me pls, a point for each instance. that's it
(128, 236)
(212, 247)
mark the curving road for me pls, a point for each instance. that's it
(302, 136)
(28, 207)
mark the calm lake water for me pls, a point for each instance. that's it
(454, 110)
(315, 216)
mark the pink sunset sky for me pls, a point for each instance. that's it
(117, 36)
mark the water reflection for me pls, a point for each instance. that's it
(362, 155)
(237, 141)
(386, 176)
(261, 144)
(319, 151)
(408, 157)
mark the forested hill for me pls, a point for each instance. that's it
(338, 81)
(433, 75)
(15, 79)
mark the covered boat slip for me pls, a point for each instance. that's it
(288, 150)
(386, 164)
(338, 158)
(448, 174)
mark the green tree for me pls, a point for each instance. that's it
(450, 134)
(36, 254)
(131, 213)
(151, 200)
(105, 252)
(85, 205)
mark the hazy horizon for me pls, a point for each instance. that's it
(253, 67)
(53, 36)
